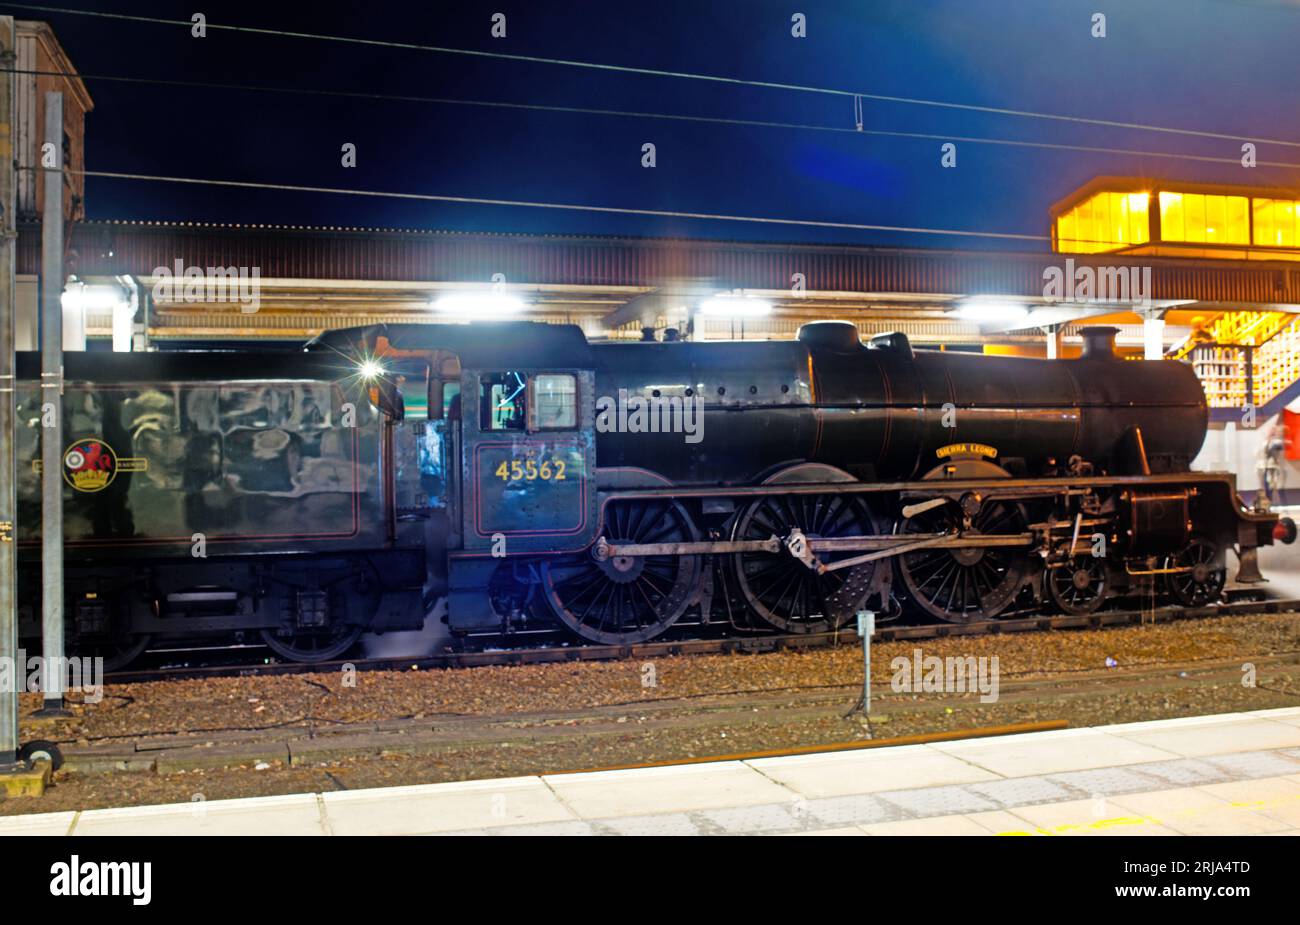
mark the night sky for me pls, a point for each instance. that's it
(1228, 66)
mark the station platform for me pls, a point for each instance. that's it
(1229, 774)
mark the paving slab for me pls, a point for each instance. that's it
(1049, 752)
(1087, 817)
(1290, 715)
(936, 825)
(1102, 782)
(869, 770)
(1262, 793)
(429, 808)
(840, 831)
(662, 824)
(37, 824)
(606, 794)
(1240, 733)
(999, 822)
(1173, 722)
(937, 801)
(295, 814)
(1192, 811)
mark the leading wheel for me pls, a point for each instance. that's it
(1202, 582)
(626, 599)
(958, 585)
(1079, 586)
(782, 590)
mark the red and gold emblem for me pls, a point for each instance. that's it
(90, 465)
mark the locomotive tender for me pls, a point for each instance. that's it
(390, 473)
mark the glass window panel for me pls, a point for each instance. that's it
(1216, 219)
(1194, 217)
(1284, 222)
(1139, 223)
(1105, 223)
(1118, 218)
(1067, 233)
(1086, 234)
(501, 401)
(555, 401)
(1238, 230)
(1171, 217)
(1263, 210)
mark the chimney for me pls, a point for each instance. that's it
(1098, 342)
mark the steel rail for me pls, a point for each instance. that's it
(773, 642)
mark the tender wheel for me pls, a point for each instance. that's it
(117, 652)
(783, 591)
(968, 583)
(109, 637)
(1204, 582)
(1079, 586)
(626, 599)
(312, 647)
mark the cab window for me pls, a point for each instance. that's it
(414, 392)
(553, 401)
(502, 399)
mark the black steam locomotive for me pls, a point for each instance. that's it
(513, 475)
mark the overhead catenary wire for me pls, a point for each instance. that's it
(560, 206)
(657, 72)
(680, 117)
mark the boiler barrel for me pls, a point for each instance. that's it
(883, 412)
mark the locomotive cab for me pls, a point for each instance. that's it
(491, 443)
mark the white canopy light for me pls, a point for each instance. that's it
(475, 305)
(80, 298)
(94, 297)
(990, 311)
(735, 307)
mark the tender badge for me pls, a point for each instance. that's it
(90, 465)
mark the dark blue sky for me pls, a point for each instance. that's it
(1228, 66)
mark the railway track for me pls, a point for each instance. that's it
(726, 645)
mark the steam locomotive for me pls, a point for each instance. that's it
(511, 475)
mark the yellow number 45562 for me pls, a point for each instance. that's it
(529, 470)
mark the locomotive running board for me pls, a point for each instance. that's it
(888, 545)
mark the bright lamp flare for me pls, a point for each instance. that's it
(472, 305)
(991, 311)
(736, 307)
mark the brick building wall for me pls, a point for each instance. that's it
(39, 51)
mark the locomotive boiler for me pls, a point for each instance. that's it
(514, 475)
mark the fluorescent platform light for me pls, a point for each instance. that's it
(735, 307)
(93, 297)
(474, 305)
(990, 311)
